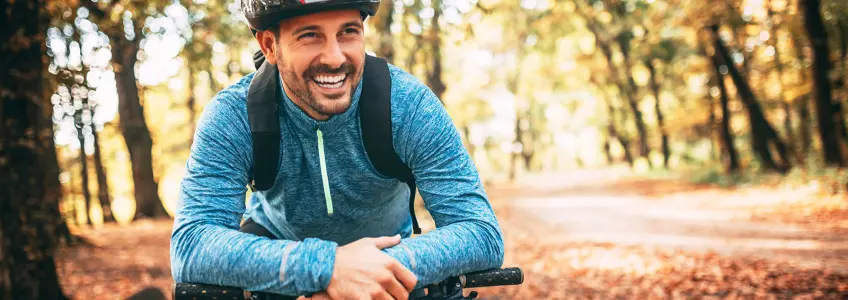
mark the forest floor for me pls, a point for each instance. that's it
(586, 235)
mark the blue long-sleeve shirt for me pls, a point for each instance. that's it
(206, 246)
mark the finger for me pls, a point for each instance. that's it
(396, 289)
(386, 241)
(404, 275)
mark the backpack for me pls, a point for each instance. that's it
(375, 117)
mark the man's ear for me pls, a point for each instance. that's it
(268, 45)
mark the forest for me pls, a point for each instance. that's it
(724, 107)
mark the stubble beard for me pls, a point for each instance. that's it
(329, 105)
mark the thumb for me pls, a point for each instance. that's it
(386, 241)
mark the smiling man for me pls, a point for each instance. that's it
(322, 85)
(329, 221)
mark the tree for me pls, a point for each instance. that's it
(30, 223)
(611, 127)
(72, 93)
(72, 44)
(623, 80)
(434, 38)
(410, 19)
(785, 104)
(726, 138)
(102, 181)
(208, 25)
(762, 133)
(828, 117)
(123, 25)
(383, 23)
(522, 119)
(623, 40)
(803, 101)
(655, 87)
(83, 158)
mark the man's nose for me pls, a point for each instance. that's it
(332, 54)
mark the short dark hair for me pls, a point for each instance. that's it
(275, 29)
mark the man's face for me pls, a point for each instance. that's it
(321, 58)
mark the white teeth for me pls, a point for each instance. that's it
(330, 79)
(331, 86)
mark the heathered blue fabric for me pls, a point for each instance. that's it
(206, 246)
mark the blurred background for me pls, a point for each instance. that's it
(730, 107)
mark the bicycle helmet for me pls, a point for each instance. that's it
(262, 14)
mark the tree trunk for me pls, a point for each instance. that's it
(840, 119)
(83, 159)
(606, 50)
(787, 126)
(762, 133)
(644, 150)
(512, 84)
(726, 137)
(411, 12)
(841, 80)
(102, 181)
(608, 146)
(383, 24)
(734, 9)
(715, 136)
(655, 87)
(804, 119)
(434, 76)
(134, 129)
(30, 222)
(190, 102)
(622, 140)
(827, 117)
(233, 63)
(612, 132)
(787, 108)
(803, 104)
(512, 169)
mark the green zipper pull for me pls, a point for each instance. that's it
(327, 196)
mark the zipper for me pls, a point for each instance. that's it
(327, 197)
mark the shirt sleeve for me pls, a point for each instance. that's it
(468, 237)
(206, 246)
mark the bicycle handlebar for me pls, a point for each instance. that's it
(486, 278)
(207, 291)
(495, 277)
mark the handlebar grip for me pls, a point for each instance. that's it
(494, 277)
(194, 291)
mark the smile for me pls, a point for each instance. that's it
(330, 82)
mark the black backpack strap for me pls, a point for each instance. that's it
(375, 117)
(263, 98)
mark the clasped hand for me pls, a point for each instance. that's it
(363, 272)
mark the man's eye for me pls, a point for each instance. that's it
(307, 35)
(351, 31)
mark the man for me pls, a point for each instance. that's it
(339, 229)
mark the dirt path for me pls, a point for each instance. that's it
(580, 235)
(122, 261)
(591, 207)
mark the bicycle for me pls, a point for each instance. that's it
(448, 289)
